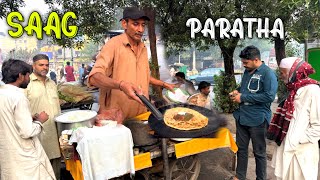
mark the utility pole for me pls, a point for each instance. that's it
(71, 56)
(194, 70)
(306, 49)
(64, 54)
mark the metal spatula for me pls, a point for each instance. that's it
(151, 107)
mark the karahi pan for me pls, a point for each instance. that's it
(215, 121)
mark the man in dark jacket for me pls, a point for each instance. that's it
(257, 91)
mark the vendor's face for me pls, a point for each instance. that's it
(249, 64)
(284, 74)
(134, 28)
(206, 90)
(41, 67)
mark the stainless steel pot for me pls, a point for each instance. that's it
(75, 119)
(140, 132)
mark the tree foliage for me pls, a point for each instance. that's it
(305, 19)
(7, 6)
(301, 21)
(94, 18)
(224, 85)
(89, 50)
(173, 16)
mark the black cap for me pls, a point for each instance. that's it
(134, 13)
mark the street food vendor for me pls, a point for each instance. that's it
(122, 69)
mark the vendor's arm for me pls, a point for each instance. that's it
(312, 133)
(101, 81)
(270, 86)
(101, 72)
(163, 84)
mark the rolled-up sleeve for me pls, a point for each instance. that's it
(23, 120)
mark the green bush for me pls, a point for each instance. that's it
(223, 86)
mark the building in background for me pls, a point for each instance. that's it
(8, 43)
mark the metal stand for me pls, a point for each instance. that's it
(166, 169)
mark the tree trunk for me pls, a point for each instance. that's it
(154, 66)
(227, 48)
(280, 49)
(306, 50)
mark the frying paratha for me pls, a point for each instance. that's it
(172, 119)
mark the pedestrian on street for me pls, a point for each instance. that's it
(256, 93)
(69, 73)
(81, 72)
(295, 126)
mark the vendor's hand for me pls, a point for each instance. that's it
(169, 86)
(42, 117)
(130, 89)
(109, 114)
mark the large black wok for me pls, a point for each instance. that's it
(157, 124)
(215, 121)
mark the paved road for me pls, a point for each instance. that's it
(216, 164)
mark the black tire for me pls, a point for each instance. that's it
(187, 168)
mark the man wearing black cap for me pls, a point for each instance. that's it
(257, 91)
(122, 69)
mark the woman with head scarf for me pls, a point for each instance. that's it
(295, 126)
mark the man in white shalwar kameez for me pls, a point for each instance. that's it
(21, 154)
(295, 126)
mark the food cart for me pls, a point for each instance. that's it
(168, 159)
(165, 158)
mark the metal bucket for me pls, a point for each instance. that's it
(140, 133)
(83, 118)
